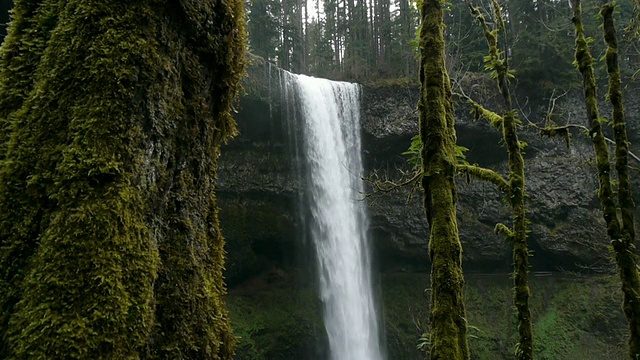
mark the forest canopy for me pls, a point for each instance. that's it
(365, 40)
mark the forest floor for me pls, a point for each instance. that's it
(277, 316)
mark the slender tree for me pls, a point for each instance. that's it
(514, 187)
(447, 313)
(617, 211)
(113, 113)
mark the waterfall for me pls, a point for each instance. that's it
(330, 146)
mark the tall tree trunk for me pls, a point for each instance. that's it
(620, 231)
(305, 39)
(116, 124)
(447, 313)
(516, 194)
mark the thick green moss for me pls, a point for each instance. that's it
(448, 324)
(109, 232)
(87, 292)
(483, 174)
(20, 55)
(19, 217)
(192, 320)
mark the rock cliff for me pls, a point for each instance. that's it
(258, 184)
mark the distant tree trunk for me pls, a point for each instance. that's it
(620, 228)
(298, 38)
(110, 246)
(284, 58)
(305, 39)
(373, 34)
(447, 313)
(377, 21)
(406, 35)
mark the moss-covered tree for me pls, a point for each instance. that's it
(20, 56)
(616, 210)
(112, 114)
(514, 187)
(448, 333)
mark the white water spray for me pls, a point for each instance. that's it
(330, 113)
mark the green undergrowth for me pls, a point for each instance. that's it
(276, 323)
(575, 318)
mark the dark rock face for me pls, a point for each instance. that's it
(258, 187)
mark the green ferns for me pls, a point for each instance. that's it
(111, 118)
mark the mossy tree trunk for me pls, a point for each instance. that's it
(19, 216)
(618, 217)
(112, 114)
(515, 190)
(521, 288)
(448, 332)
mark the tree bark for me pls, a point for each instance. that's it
(620, 231)
(109, 239)
(448, 333)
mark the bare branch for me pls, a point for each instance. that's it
(560, 130)
(384, 186)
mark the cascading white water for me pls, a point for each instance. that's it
(330, 114)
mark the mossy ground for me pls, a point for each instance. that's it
(575, 318)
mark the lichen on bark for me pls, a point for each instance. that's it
(110, 241)
(448, 322)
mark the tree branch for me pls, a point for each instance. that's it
(383, 187)
(485, 174)
(504, 230)
(480, 111)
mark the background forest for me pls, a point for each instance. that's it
(369, 40)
